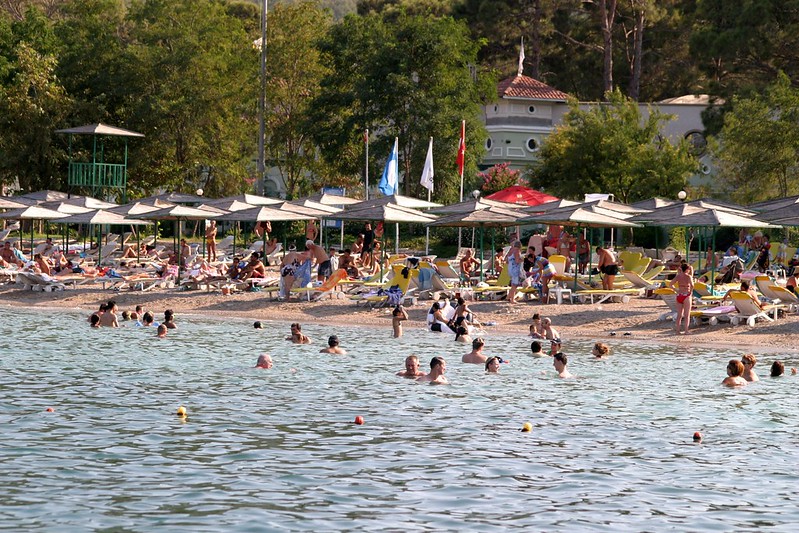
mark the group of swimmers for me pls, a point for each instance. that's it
(108, 316)
(740, 373)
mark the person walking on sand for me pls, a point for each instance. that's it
(607, 266)
(411, 368)
(436, 376)
(684, 284)
(210, 240)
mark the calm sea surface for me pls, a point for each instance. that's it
(266, 450)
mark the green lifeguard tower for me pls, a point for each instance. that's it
(97, 175)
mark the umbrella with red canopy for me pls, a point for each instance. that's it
(517, 194)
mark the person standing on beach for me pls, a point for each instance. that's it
(476, 356)
(436, 376)
(514, 265)
(210, 240)
(685, 288)
(608, 267)
(368, 244)
(311, 231)
(397, 317)
(324, 269)
(411, 368)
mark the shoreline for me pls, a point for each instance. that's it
(586, 322)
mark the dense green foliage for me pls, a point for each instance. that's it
(612, 148)
(186, 74)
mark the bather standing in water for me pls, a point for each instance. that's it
(411, 368)
(735, 370)
(397, 317)
(476, 356)
(559, 362)
(436, 376)
(749, 361)
(333, 346)
(297, 336)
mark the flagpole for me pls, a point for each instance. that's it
(463, 164)
(427, 231)
(366, 138)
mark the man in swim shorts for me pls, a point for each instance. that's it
(322, 259)
(607, 266)
(476, 356)
(436, 376)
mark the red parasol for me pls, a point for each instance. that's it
(517, 194)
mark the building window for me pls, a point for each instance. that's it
(531, 110)
(489, 143)
(532, 145)
(697, 143)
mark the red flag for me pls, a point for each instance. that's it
(462, 149)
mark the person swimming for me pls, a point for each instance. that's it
(476, 356)
(436, 376)
(297, 336)
(161, 331)
(735, 370)
(264, 361)
(462, 335)
(411, 368)
(492, 365)
(333, 346)
(537, 349)
(749, 361)
(600, 350)
(398, 315)
(559, 362)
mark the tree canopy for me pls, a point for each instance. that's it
(612, 148)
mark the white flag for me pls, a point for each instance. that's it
(521, 59)
(427, 173)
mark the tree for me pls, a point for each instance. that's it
(758, 147)
(613, 148)
(32, 105)
(294, 71)
(191, 87)
(412, 79)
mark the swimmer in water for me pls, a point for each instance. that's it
(161, 331)
(411, 368)
(492, 365)
(436, 376)
(735, 370)
(397, 317)
(462, 335)
(777, 369)
(601, 350)
(476, 356)
(559, 362)
(264, 361)
(537, 349)
(297, 336)
(333, 346)
(749, 361)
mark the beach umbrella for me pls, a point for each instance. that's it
(251, 199)
(45, 196)
(653, 203)
(518, 194)
(549, 206)
(179, 213)
(9, 203)
(472, 204)
(101, 217)
(31, 212)
(330, 199)
(777, 203)
(395, 199)
(491, 216)
(174, 198)
(139, 208)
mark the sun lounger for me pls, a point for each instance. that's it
(402, 282)
(749, 311)
(317, 293)
(698, 315)
(639, 282)
(39, 282)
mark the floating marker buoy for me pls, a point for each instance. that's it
(50, 410)
(359, 420)
(697, 437)
(527, 427)
(181, 412)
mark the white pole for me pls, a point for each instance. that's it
(427, 232)
(366, 138)
(259, 183)
(463, 131)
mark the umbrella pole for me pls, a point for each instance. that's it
(180, 250)
(482, 254)
(263, 250)
(713, 268)
(493, 254)
(396, 238)
(155, 243)
(577, 258)
(590, 256)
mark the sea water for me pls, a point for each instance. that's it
(277, 449)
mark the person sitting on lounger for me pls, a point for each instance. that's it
(254, 269)
(8, 254)
(468, 265)
(745, 287)
(347, 262)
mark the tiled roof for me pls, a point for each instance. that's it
(526, 87)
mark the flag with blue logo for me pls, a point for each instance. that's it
(388, 183)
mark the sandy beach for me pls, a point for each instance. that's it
(635, 321)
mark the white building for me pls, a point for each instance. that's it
(528, 110)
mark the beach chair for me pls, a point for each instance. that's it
(447, 272)
(375, 299)
(749, 311)
(784, 297)
(700, 315)
(317, 293)
(639, 281)
(588, 293)
(495, 289)
(39, 282)
(767, 287)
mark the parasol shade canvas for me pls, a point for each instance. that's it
(517, 194)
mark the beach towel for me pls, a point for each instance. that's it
(303, 273)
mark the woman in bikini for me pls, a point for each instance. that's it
(684, 284)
